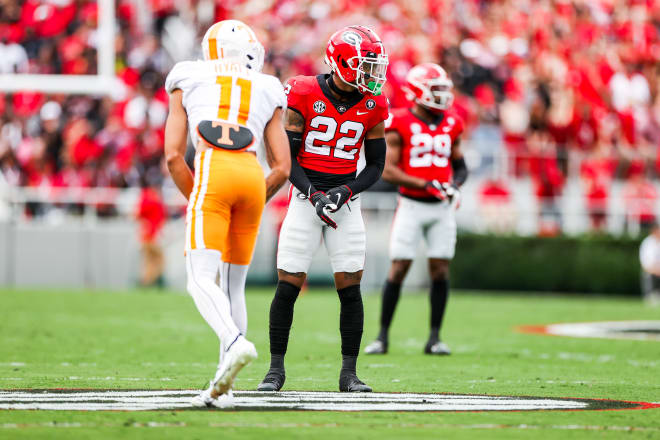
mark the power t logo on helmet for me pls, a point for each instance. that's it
(357, 56)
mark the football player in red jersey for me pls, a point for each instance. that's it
(329, 119)
(424, 158)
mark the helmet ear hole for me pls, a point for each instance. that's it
(343, 63)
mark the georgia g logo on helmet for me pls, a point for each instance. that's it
(351, 38)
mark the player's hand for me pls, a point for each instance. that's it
(436, 189)
(323, 207)
(452, 193)
(339, 196)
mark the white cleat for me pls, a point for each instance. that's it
(439, 348)
(376, 347)
(239, 354)
(204, 399)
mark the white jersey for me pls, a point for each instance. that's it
(218, 90)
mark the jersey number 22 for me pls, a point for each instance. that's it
(342, 149)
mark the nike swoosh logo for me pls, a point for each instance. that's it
(361, 113)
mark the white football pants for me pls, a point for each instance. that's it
(303, 232)
(414, 220)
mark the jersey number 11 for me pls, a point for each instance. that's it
(226, 86)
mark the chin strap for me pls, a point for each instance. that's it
(343, 93)
(432, 116)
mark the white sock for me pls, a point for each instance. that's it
(202, 266)
(232, 282)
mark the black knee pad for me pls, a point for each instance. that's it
(350, 294)
(287, 292)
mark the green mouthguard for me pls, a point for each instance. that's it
(375, 87)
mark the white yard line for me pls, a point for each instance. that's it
(96, 400)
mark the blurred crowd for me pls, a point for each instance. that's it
(560, 88)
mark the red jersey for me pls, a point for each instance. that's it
(425, 148)
(334, 130)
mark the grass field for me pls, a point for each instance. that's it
(150, 340)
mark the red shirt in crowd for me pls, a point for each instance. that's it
(151, 214)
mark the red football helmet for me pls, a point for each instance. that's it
(428, 85)
(357, 56)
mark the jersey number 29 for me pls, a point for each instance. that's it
(430, 150)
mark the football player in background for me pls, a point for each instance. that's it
(328, 120)
(424, 158)
(228, 106)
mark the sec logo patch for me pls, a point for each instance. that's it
(370, 104)
(319, 106)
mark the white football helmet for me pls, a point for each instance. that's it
(234, 41)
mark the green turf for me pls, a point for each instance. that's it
(152, 340)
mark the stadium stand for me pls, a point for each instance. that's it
(551, 90)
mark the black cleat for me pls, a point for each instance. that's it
(437, 347)
(273, 381)
(349, 383)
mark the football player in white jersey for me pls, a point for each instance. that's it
(228, 106)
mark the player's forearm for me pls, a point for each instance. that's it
(299, 179)
(275, 180)
(460, 171)
(278, 154)
(180, 173)
(369, 175)
(396, 176)
(374, 154)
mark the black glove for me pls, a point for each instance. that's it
(323, 207)
(339, 195)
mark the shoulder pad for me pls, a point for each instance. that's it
(297, 89)
(180, 72)
(300, 85)
(380, 112)
(394, 118)
(455, 122)
(277, 90)
(382, 101)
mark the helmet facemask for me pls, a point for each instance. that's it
(436, 93)
(371, 71)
